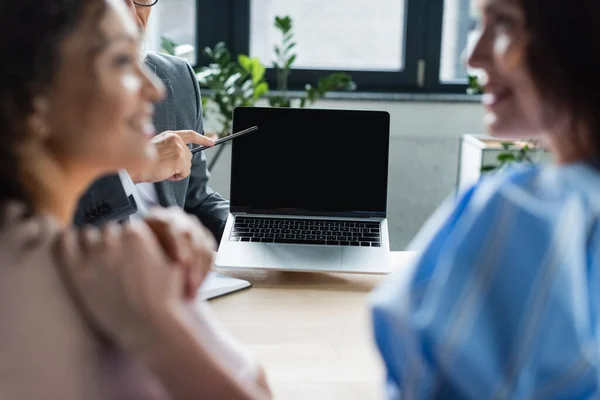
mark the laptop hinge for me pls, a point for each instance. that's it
(283, 213)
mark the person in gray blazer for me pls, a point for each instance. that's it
(178, 178)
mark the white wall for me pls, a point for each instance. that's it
(421, 118)
(423, 157)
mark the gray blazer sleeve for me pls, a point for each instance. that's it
(201, 200)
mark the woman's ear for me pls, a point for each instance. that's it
(38, 120)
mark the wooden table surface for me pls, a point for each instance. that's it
(311, 331)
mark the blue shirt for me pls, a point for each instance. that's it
(502, 300)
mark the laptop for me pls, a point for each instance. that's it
(308, 191)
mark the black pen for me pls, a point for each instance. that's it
(225, 139)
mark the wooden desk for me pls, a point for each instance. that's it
(311, 331)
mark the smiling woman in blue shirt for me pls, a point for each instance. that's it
(503, 299)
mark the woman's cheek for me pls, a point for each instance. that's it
(508, 53)
(131, 83)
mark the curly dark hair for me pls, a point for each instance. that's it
(564, 57)
(32, 32)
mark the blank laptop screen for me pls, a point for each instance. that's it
(310, 161)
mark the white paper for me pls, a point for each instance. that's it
(217, 285)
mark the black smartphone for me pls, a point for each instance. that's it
(225, 139)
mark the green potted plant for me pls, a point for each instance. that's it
(240, 81)
(233, 82)
(285, 57)
(473, 87)
(517, 151)
(512, 151)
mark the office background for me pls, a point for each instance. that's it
(395, 53)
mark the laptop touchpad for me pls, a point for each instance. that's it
(296, 257)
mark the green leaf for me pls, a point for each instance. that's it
(506, 157)
(488, 168)
(290, 61)
(230, 82)
(313, 95)
(203, 76)
(167, 45)
(247, 85)
(261, 89)
(208, 53)
(284, 24)
(279, 101)
(258, 72)
(245, 62)
(220, 55)
(279, 22)
(254, 67)
(474, 87)
(339, 81)
(288, 37)
(290, 46)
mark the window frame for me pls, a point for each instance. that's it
(229, 21)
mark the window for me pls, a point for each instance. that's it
(174, 20)
(415, 46)
(349, 35)
(457, 35)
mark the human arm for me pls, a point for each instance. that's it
(111, 197)
(494, 306)
(176, 238)
(106, 200)
(130, 290)
(183, 354)
(174, 157)
(210, 207)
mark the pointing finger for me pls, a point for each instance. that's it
(191, 137)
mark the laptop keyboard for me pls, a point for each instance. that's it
(306, 231)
